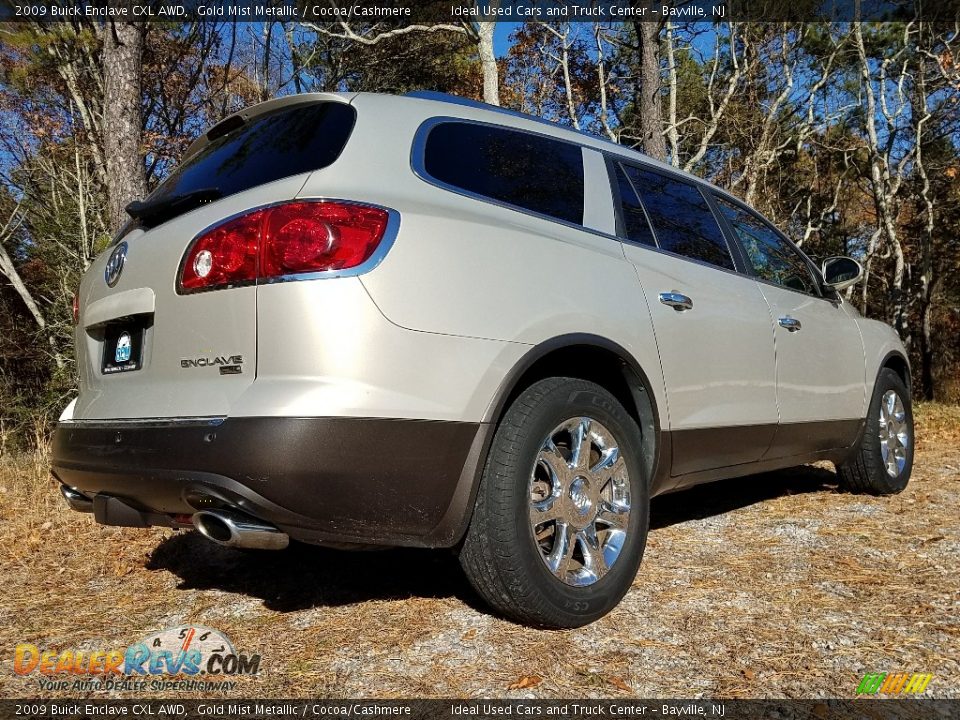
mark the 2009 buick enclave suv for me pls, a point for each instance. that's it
(361, 319)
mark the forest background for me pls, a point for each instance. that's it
(847, 135)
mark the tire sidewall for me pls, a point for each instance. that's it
(578, 604)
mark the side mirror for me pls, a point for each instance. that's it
(840, 272)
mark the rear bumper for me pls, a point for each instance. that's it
(358, 480)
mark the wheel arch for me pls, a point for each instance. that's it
(596, 359)
(897, 361)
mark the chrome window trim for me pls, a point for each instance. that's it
(695, 261)
(478, 105)
(389, 236)
(417, 164)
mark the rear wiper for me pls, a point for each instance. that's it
(154, 212)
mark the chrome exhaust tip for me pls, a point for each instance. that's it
(233, 529)
(76, 499)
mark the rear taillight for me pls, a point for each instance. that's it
(283, 240)
(76, 308)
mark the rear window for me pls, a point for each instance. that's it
(530, 172)
(279, 144)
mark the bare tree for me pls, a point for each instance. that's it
(720, 92)
(558, 53)
(887, 101)
(603, 83)
(480, 33)
(488, 63)
(9, 271)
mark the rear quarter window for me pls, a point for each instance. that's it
(531, 172)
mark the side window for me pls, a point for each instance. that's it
(772, 258)
(529, 171)
(635, 223)
(681, 218)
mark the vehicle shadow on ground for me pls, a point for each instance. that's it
(717, 498)
(304, 577)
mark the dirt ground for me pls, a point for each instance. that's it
(772, 586)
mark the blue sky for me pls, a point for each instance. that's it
(501, 34)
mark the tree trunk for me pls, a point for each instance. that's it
(488, 63)
(926, 351)
(122, 121)
(9, 271)
(673, 134)
(650, 106)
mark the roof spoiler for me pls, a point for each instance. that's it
(242, 117)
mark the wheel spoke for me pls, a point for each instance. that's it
(890, 404)
(544, 511)
(580, 444)
(594, 562)
(609, 458)
(555, 462)
(613, 515)
(550, 448)
(562, 553)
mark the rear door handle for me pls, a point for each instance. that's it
(791, 324)
(678, 301)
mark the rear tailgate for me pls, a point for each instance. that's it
(188, 355)
(145, 350)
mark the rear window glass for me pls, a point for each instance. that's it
(279, 144)
(528, 171)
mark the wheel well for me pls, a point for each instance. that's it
(605, 367)
(900, 367)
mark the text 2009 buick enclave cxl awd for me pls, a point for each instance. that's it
(360, 319)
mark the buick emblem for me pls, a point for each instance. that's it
(111, 273)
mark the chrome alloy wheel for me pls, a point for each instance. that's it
(894, 433)
(580, 501)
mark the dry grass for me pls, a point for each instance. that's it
(771, 586)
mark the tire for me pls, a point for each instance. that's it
(882, 463)
(505, 556)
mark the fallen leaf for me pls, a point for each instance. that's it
(526, 681)
(620, 684)
(469, 634)
(749, 674)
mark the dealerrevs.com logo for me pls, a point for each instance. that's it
(173, 659)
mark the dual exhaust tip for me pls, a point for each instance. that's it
(233, 529)
(224, 527)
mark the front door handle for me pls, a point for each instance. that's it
(791, 324)
(678, 301)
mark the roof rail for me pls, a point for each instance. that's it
(467, 102)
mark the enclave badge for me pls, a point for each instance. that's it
(111, 273)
